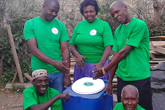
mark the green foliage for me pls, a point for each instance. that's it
(8, 76)
(17, 25)
(11, 15)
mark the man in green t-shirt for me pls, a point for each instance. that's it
(40, 96)
(129, 99)
(131, 56)
(47, 39)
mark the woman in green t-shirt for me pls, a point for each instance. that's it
(91, 42)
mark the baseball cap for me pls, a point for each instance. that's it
(39, 73)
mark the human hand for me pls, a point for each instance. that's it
(64, 96)
(109, 88)
(67, 81)
(98, 72)
(97, 65)
(59, 65)
(79, 61)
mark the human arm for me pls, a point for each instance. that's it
(32, 43)
(65, 54)
(79, 58)
(107, 41)
(66, 57)
(113, 71)
(105, 56)
(118, 57)
(47, 104)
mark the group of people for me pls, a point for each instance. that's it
(91, 44)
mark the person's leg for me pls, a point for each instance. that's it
(56, 81)
(145, 93)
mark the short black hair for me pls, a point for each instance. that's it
(85, 3)
(46, 2)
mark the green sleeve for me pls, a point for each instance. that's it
(64, 34)
(29, 30)
(137, 34)
(58, 104)
(115, 47)
(107, 35)
(74, 35)
(118, 106)
(29, 99)
(115, 108)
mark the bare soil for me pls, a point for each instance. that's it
(10, 100)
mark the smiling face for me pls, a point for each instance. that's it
(89, 13)
(119, 12)
(130, 99)
(41, 85)
(50, 10)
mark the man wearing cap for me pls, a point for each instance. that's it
(47, 39)
(129, 99)
(40, 96)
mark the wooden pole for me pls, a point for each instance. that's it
(15, 54)
(28, 77)
(15, 75)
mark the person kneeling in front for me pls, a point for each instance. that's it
(129, 99)
(40, 96)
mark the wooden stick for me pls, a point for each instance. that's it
(28, 76)
(15, 75)
(15, 54)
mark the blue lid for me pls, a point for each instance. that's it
(90, 96)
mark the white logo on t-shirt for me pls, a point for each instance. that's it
(93, 32)
(55, 30)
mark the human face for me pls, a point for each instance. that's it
(89, 13)
(119, 13)
(41, 85)
(50, 11)
(130, 99)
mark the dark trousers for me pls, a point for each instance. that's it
(145, 93)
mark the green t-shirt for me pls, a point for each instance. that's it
(91, 39)
(119, 106)
(30, 98)
(135, 66)
(49, 35)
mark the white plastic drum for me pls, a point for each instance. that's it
(88, 85)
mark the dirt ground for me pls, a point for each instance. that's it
(10, 100)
